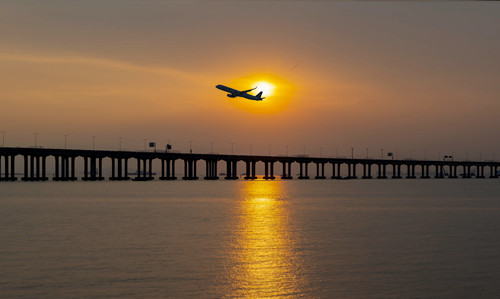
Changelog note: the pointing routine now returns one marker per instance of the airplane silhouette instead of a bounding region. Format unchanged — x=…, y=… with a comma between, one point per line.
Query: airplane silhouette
x=233, y=93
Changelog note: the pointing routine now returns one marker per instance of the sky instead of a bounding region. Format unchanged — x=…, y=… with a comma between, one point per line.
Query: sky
x=420, y=79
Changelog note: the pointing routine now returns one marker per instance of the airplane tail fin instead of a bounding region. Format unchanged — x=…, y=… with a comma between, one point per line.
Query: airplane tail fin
x=259, y=95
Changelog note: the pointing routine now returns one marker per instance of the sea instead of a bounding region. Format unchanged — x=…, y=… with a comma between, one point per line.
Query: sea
x=436, y=238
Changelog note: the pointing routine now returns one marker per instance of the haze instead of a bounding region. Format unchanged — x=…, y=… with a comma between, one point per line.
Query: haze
x=417, y=78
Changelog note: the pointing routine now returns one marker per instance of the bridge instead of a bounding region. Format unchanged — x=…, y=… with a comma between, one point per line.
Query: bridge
x=35, y=166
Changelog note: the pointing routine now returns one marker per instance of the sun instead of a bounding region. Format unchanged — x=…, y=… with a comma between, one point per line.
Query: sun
x=277, y=92
x=264, y=86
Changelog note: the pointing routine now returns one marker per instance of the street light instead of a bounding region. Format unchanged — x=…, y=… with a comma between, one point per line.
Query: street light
x=190, y=147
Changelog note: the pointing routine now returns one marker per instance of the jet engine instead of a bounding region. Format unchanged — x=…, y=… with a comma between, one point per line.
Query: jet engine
x=231, y=95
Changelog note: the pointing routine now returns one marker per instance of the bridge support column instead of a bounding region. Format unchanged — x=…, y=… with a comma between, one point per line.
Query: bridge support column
x=9, y=168
x=190, y=170
x=493, y=172
x=287, y=170
x=304, y=174
x=211, y=170
x=480, y=172
x=320, y=171
x=231, y=170
x=269, y=170
x=453, y=172
x=396, y=171
x=381, y=171
x=250, y=170
x=95, y=173
x=367, y=171
x=439, y=172
x=30, y=174
x=167, y=170
x=64, y=168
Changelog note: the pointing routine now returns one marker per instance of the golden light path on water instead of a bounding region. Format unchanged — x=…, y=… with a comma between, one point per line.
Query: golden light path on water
x=264, y=262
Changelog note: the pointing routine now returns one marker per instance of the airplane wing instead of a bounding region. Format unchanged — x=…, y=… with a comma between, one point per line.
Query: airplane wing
x=248, y=90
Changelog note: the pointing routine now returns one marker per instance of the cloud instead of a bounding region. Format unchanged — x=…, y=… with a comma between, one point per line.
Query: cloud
x=98, y=62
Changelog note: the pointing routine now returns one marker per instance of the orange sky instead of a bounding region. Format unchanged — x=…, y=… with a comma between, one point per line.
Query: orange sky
x=419, y=77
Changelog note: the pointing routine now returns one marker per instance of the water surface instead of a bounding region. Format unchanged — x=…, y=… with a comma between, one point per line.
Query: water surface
x=213, y=239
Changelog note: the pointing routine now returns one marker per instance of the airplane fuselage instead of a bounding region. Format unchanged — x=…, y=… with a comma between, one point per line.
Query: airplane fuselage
x=233, y=93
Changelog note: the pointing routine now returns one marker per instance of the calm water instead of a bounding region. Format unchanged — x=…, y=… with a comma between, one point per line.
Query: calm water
x=226, y=239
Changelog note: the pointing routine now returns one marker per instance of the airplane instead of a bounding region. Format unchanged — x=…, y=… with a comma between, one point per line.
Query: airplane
x=233, y=93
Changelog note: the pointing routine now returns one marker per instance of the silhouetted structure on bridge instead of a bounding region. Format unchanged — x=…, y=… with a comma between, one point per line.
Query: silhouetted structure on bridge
x=35, y=166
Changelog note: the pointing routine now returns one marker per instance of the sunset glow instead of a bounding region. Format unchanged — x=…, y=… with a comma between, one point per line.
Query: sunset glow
x=266, y=88
x=277, y=91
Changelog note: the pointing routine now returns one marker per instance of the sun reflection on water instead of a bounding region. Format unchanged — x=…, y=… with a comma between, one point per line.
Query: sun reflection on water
x=264, y=259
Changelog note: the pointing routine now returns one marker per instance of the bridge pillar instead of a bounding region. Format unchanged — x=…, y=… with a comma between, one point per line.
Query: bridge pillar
x=119, y=169
x=439, y=172
x=480, y=172
x=269, y=170
x=167, y=170
x=190, y=169
x=250, y=170
x=9, y=168
x=493, y=172
x=320, y=171
x=95, y=173
x=396, y=171
x=453, y=172
x=351, y=171
x=381, y=171
x=211, y=170
x=367, y=171
x=411, y=168
x=287, y=170
x=64, y=168
x=231, y=170
x=304, y=174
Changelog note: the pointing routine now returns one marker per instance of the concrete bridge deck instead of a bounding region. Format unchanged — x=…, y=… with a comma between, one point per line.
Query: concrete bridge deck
x=35, y=166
